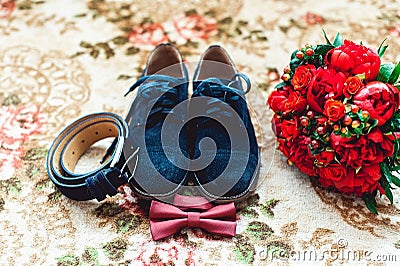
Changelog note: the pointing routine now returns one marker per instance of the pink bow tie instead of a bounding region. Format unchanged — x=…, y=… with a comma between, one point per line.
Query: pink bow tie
x=166, y=219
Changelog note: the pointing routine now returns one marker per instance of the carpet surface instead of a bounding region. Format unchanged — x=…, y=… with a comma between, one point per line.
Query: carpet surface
x=60, y=60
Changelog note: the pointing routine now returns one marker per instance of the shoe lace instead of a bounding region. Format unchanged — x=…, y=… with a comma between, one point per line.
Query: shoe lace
x=162, y=94
x=229, y=94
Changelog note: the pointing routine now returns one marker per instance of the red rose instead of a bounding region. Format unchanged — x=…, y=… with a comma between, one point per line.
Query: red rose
x=380, y=99
x=334, y=110
x=352, y=85
x=366, y=180
x=366, y=150
x=334, y=174
x=148, y=34
x=324, y=158
x=378, y=146
x=345, y=179
x=277, y=99
x=290, y=128
x=286, y=101
x=355, y=59
x=302, y=77
x=301, y=155
x=326, y=84
x=295, y=103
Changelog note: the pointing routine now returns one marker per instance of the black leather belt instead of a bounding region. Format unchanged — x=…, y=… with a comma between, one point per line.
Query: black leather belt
x=73, y=142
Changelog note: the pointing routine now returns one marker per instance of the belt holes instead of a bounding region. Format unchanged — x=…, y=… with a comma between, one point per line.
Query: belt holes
x=97, y=132
x=110, y=130
x=83, y=141
x=73, y=152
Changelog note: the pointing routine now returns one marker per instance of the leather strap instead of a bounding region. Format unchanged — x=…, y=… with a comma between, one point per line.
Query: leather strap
x=73, y=142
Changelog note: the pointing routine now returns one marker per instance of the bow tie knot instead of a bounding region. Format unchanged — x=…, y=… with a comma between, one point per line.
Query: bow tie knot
x=193, y=220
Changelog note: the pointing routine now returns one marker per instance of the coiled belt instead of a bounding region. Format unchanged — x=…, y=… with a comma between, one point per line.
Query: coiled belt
x=73, y=142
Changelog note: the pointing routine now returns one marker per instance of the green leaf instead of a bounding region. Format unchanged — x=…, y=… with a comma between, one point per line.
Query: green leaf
x=322, y=49
x=396, y=147
x=294, y=63
x=382, y=49
x=386, y=171
x=338, y=41
x=280, y=85
x=385, y=72
x=396, y=180
x=370, y=202
x=326, y=37
x=395, y=74
x=388, y=193
x=396, y=121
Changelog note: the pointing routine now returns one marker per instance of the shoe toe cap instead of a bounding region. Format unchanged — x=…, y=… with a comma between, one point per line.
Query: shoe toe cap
x=230, y=175
x=157, y=174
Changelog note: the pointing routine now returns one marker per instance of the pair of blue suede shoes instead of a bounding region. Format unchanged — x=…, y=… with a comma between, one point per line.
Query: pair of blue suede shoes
x=207, y=140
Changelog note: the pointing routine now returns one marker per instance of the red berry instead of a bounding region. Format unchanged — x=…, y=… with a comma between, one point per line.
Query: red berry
x=336, y=127
x=315, y=144
x=365, y=114
x=321, y=130
x=355, y=124
x=300, y=55
x=347, y=120
x=344, y=130
x=310, y=114
x=287, y=70
x=285, y=77
x=304, y=121
x=354, y=108
x=309, y=52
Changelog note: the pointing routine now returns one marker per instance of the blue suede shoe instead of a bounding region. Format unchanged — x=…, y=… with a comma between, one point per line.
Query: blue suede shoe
x=162, y=92
x=226, y=168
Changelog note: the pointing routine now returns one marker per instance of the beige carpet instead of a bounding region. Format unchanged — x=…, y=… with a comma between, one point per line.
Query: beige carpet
x=63, y=59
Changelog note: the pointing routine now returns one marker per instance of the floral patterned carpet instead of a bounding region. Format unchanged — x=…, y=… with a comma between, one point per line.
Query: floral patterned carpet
x=63, y=59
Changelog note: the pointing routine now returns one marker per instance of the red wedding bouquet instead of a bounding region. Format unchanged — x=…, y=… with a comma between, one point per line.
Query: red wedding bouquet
x=337, y=117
